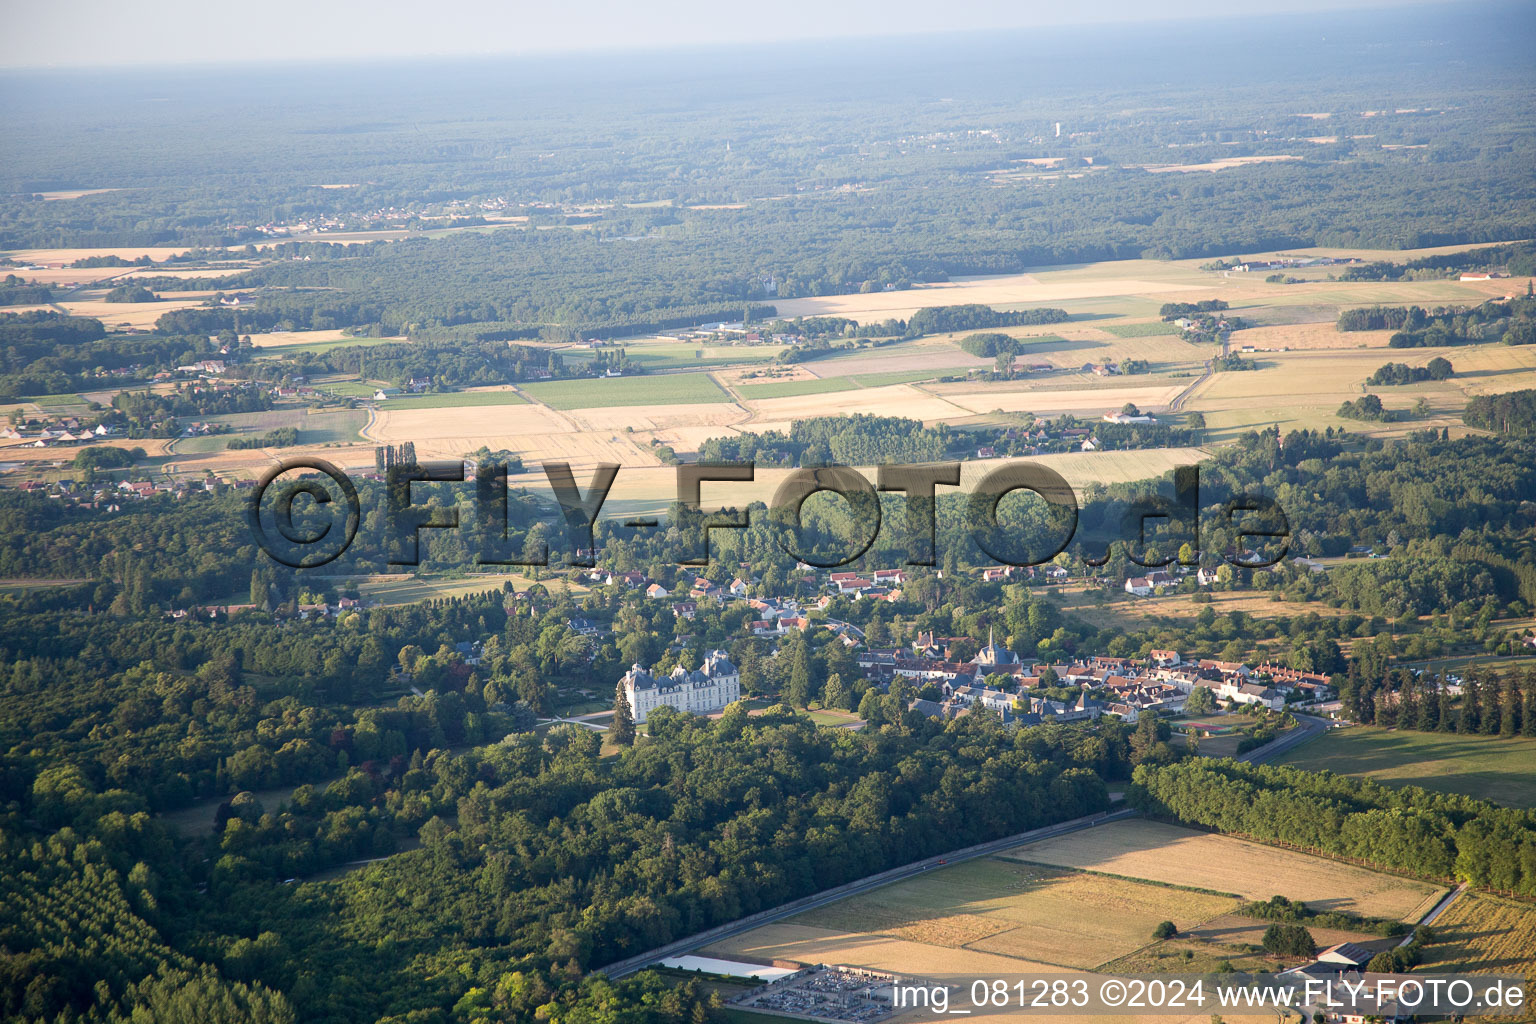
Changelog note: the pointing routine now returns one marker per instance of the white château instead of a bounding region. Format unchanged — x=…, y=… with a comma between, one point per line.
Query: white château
x=702, y=690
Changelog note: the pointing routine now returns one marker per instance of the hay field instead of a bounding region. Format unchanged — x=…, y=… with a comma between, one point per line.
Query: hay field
x=1043, y=915
x=1167, y=853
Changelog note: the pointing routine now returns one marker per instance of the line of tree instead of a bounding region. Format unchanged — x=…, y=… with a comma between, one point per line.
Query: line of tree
x=1434, y=835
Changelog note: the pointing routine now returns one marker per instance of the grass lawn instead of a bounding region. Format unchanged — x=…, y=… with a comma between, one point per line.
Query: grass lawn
x=607, y=392
x=455, y=400
x=1482, y=766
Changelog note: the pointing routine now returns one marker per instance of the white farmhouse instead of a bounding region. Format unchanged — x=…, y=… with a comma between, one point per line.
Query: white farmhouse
x=701, y=691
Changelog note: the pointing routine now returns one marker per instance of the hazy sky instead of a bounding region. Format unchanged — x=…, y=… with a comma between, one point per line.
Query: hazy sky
x=112, y=32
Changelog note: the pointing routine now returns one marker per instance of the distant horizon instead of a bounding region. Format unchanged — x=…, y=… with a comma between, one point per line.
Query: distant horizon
x=90, y=35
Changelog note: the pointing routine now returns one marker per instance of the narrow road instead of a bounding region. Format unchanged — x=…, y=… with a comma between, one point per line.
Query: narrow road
x=1307, y=729
x=1440, y=908
x=854, y=888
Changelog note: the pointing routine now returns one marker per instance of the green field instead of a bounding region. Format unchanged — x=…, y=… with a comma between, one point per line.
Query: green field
x=669, y=389
x=408, y=588
x=315, y=426
x=680, y=355
x=789, y=388
x=321, y=347
x=347, y=388
x=331, y=426
x=1139, y=330
x=822, y=385
x=54, y=403
x=1502, y=770
x=455, y=400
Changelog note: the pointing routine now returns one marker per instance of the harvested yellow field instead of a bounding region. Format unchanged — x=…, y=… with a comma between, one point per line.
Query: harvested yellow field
x=75, y=193
x=394, y=426
x=892, y=400
x=1217, y=165
x=22, y=451
x=650, y=489
x=199, y=272
x=274, y=338
x=535, y=432
x=909, y=357
x=72, y=277
x=1308, y=336
x=133, y=314
x=1304, y=389
x=1062, y=918
x=999, y=290
x=811, y=945
x=1141, y=610
x=659, y=417
x=59, y=257
x=1167, y=853
x=1042, y=401
x=1235, y=930
x=1484, y=934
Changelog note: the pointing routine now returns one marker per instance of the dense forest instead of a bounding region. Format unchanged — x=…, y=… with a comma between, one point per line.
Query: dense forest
x=1512, y=414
